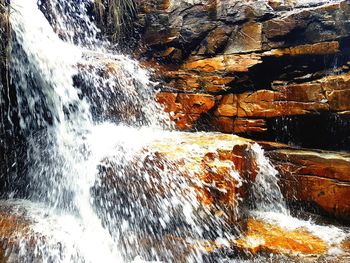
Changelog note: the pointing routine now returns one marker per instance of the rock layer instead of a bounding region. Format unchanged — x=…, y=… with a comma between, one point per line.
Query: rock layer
x=258, y=60
x=317, y=178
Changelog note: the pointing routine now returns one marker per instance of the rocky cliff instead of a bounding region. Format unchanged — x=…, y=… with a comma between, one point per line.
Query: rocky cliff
x=265, y=69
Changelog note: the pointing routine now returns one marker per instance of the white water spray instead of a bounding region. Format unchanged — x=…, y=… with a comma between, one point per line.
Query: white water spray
x=98, y=198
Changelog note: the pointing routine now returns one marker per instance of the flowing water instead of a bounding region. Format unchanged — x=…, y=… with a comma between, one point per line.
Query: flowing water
x=88, y=114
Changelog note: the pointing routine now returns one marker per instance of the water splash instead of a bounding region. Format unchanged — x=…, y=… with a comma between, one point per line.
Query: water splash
x=266, y=190
x=106, y=197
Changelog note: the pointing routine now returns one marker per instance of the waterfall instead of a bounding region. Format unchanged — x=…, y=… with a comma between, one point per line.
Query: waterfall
x=266, y=190
x=58, y=125
x=88, y=113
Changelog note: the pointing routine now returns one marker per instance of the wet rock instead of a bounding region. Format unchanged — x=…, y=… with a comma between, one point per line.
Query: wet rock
x=186, y=109
x=216, y=170
x=15, y=229
x=173, y=185
x=221, y=163
x=249, y=109
x=262, y=60
x=265, y=237
x=262, y=240
x=322, y=48
x=315, y=177
x=265, y=103
x=227, y=63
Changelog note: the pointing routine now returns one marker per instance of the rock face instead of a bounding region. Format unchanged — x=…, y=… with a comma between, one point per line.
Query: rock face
x=317, y=178
x=249, y=64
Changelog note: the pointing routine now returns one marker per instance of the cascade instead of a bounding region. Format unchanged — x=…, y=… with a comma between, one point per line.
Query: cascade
x=108, y=180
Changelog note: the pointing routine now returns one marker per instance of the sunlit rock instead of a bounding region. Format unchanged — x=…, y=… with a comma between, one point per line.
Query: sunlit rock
x=186, y=109
x=320, y=178
x=227, y=63
x=263, y=60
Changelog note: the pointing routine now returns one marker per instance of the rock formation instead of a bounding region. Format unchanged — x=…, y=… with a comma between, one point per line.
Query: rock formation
x=267, y=70
x=264, y=69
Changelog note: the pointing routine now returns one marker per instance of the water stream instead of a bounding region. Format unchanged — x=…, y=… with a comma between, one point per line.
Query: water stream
x=88, y=112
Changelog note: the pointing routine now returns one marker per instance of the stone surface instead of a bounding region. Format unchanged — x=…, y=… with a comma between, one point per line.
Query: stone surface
x=327, y=94
x=262, y=60
x=322, y=48
x=220, y=162
x=227, y=63
x=261, y=238
x=185, y=109
x=315, y=177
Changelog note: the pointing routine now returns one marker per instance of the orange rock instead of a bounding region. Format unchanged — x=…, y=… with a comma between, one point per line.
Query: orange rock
x=227, y=106
x=339, y=100
x=153, y=5
x=168, y=100
x=321, y=178
x=305, y=92
x=213, y=84
x=227, y=63
x=185, y=121
x=326, y=194
x=266, y=103
x=319, y=163
x=185, y=109
x=196, y=103
x=322, y=48
x=249, y=125
x=15, y=231
x=264, y=237
x=211, y=165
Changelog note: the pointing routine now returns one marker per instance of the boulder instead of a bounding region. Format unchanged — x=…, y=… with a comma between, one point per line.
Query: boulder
x=217, y=168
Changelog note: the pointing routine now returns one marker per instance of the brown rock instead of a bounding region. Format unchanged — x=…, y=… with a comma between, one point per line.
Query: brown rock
x=321, y=178
x=339, y=100
x=304, y=25
x=215, y=40
x=227, y=106
x=322, y=48
x=305, y=92
x=265, y=103
x=227, y=63
x=249, y=125
x=196, y=82
x=196, y=103
x=223, y=124
x=264, y=237
x=245, y=39
x=153, y=5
